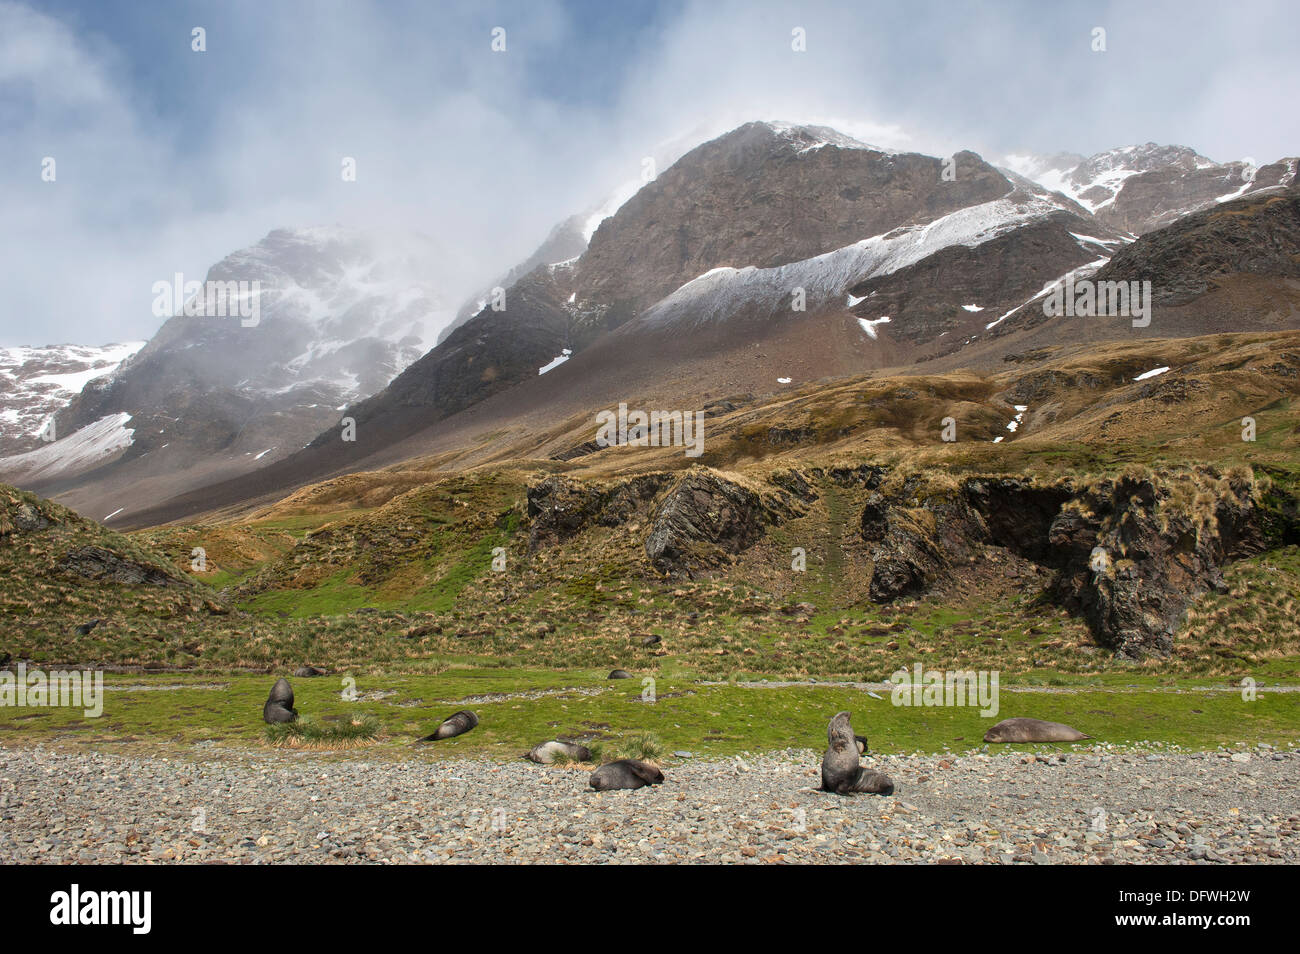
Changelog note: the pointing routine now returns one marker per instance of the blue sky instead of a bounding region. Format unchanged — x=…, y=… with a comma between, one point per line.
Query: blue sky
x=169, y=159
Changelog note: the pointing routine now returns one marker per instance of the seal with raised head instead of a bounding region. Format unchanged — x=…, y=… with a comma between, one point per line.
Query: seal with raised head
x=625, y=773
x=544, y=753
x=279, y=704
x=458, y=723
x=1032, y=730
x=841, y=772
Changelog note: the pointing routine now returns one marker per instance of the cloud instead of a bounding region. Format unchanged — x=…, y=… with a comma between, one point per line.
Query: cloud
x=168, y=159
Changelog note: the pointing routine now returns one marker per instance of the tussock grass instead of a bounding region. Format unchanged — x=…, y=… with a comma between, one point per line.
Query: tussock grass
x=644, y=746
x=309, y=733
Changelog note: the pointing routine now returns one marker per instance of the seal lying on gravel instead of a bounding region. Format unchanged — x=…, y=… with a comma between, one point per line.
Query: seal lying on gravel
x=1032, y=730
x=861, y=742
x=544, y=753
x=279, y=704
x=625, y=773
x=456, y=724
x=841, y=772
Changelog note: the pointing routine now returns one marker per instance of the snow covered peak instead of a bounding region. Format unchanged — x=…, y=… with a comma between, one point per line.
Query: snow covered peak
x=809, y=138
x=35, y=383
x=339, y=308
x=1096, y=181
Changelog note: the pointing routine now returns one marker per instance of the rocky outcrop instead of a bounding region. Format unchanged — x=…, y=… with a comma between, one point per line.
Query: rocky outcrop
x=1152, y=546
x=1129, y=553
x=104, y=565
x=912, y=546
x=560, y=508
x=703, y=518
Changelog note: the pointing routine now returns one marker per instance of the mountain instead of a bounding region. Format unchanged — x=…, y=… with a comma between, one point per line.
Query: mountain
x=1136, y=189
x=37, y=382
x=771, y=257
x=339, y=313
x=770, y=206
x=680, y=295
x=1232, y=267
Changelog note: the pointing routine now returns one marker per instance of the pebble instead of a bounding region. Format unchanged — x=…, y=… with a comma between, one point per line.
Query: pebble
x=243, y=805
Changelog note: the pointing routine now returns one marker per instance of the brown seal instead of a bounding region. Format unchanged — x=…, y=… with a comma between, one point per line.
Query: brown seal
x=841, y=772
x=1032, y=730
x=625, y=773
x=279, y=704
x=456, y=724
x=544, y=753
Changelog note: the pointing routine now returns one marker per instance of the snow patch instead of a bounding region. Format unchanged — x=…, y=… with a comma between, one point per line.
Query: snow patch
x=73, y=453
x=555, y=362
x=722, y=292
x=1150, y=374
x=869, y=326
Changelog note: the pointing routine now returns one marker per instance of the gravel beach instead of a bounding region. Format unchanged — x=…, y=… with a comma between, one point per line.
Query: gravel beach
x=242, y=806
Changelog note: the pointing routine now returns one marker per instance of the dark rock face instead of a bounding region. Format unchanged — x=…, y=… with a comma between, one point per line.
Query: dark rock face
x=914, y=546
x=998, y=275
x=700, y=522
x=560, y=508
x=494, y=351
x=566, y=241
x=1256, y=234
x=98, y=563
x=23, y=516
x=702, y=519
x=1130, y=554
x=863, y=475
x=1157, y=554
x=1018, y=513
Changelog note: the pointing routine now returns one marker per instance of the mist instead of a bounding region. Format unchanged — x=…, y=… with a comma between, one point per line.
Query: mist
x=168, y=159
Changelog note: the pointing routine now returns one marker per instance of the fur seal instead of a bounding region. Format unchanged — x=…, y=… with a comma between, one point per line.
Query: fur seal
x=861, y=741
x=458, y=723
x=308, y=672
x=841, y=772
x=619, y=674
x=279, y=704
x=1032, y=730
x=625, y=773
x=544, y=753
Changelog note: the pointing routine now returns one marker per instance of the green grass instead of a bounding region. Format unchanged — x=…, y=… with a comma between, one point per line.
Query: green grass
x=517, y=709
